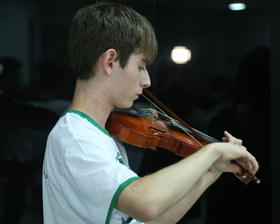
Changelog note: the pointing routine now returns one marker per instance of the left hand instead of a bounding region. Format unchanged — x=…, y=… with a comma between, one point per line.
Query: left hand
x=231, y=139
x=215, y=170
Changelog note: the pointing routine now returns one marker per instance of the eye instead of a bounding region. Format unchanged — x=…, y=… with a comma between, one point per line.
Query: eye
x=141, y=68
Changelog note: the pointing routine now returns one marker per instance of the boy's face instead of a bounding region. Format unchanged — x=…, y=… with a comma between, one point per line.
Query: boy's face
x=130, y=81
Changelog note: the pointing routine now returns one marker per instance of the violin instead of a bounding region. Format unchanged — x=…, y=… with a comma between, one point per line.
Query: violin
x=149, y=128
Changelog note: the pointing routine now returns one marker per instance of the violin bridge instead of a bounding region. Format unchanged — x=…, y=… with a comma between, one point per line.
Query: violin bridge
x=151, y=114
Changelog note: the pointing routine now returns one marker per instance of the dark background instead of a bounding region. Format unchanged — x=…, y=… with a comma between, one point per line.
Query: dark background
x=34, y=31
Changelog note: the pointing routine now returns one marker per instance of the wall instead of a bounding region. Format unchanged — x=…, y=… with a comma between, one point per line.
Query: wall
x=20, y=37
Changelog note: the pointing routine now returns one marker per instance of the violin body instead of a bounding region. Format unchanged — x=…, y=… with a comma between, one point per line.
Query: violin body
x=147, y=130
x=143, y=132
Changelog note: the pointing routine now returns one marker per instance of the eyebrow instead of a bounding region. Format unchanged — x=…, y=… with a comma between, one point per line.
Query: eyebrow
x=144, y=60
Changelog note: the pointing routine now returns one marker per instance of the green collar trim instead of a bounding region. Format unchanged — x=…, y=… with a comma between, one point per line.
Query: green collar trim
x=83, y=115
x=127, y=221
x=116, y=196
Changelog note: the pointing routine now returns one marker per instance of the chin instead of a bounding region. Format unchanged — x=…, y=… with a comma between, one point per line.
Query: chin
x=125, y=106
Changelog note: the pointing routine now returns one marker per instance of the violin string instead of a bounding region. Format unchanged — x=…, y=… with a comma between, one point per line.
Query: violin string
x=179, y=125
x=165, y=115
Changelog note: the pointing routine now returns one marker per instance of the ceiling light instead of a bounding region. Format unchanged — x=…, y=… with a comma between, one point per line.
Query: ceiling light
x=180, y=55
x=237, y=6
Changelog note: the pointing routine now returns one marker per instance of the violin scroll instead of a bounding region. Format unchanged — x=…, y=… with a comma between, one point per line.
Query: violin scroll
x=245, y=176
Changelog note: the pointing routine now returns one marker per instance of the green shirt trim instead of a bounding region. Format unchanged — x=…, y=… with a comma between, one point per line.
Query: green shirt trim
x=116, y=196
x=83, y=115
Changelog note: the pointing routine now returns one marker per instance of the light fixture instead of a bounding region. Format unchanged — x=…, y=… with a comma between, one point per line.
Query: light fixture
x=180, y=55
x=237, y=6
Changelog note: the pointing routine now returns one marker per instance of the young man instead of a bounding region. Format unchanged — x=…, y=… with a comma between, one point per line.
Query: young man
x=86, y=176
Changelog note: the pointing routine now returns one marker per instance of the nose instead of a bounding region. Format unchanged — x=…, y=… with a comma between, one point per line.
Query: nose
x=146, y=81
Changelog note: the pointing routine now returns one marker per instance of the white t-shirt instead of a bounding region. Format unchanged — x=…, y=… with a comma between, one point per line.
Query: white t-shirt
x=85, y=170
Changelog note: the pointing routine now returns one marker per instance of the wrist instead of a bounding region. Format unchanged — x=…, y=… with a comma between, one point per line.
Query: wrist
x=214, y=151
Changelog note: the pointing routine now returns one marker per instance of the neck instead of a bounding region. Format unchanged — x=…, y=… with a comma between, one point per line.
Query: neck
x=91, y=100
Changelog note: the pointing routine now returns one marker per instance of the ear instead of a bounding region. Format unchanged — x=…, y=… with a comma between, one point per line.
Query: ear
x=109, y=60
